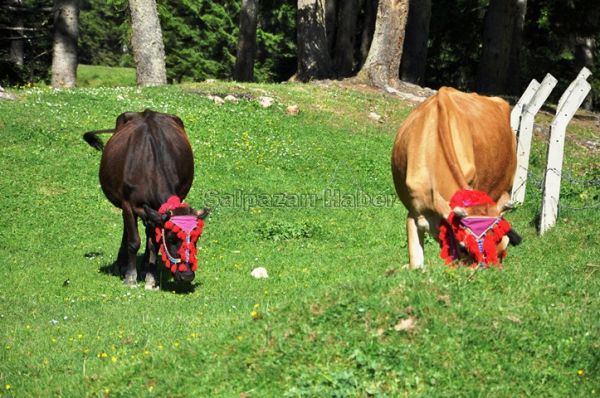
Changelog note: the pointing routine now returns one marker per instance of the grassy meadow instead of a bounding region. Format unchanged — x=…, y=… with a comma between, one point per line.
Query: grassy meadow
x=310, y=198
x=104, y=76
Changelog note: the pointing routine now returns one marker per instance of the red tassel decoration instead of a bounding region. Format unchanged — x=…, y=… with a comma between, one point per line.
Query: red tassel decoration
x=489, y=248
x=445, y=243
x=452, y=233
x=171, y=204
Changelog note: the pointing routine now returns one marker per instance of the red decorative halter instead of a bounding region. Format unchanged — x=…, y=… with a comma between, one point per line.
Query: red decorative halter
x=478, y=235
x=188, y=229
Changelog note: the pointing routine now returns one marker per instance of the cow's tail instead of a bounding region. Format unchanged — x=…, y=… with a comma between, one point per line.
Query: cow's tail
x=445, y=136
x=91, y=138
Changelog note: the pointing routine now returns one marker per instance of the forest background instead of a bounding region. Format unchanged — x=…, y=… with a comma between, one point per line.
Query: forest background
x=201, y=39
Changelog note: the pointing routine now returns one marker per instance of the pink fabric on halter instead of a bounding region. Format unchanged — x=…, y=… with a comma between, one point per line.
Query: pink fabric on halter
x=479, y=225
x=186, y=223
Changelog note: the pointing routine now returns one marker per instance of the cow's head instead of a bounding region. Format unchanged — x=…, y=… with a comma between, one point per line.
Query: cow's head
x=177, y=230
x=475, y=232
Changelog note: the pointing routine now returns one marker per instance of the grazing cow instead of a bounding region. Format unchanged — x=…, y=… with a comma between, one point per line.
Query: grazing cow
x=147, y=168
x=453, y=164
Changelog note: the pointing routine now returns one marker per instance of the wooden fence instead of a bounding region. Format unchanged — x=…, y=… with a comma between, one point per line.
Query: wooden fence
x=522, y=120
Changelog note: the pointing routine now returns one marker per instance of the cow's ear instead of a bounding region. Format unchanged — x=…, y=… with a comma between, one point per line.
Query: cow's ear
x=513, y=237
x=153, y=217
x=202, y=214
x=124, y=118
x=178, y=121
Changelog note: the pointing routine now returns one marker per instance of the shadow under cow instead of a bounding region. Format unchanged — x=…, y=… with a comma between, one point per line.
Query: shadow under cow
x=166, y=282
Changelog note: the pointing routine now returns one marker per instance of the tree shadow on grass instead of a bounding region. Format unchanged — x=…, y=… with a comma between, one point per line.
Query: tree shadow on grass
x=166, y=281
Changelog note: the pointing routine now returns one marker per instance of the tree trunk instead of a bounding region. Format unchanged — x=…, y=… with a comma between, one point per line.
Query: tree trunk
x=331, y=7
x=246, y=50
x=313, y=55
x=414, y=54
x=492, y=76
x=382, y=66
x=584, y=51
x=368, y=27
x=343, y=52
x=584, y=56
x=66, y=32
x=147, y=43
x=514, y=86
x=17, y=52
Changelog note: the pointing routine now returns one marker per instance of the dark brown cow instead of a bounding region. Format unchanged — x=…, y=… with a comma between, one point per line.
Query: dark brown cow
x=147, y=167
x=456, y=148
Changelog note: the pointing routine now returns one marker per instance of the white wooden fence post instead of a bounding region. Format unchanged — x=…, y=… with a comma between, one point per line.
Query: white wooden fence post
x=517, y=111
x=583, y=74
x=570, y=101
x=525, y=134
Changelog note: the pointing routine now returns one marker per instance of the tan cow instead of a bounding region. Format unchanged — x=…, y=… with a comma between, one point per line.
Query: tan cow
x=453, y=143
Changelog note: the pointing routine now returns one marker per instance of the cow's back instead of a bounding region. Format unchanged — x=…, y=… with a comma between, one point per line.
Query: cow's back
x=148, y=154
x=452, y=141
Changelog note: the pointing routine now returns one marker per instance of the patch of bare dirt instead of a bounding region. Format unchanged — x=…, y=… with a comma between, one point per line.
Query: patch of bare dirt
x=405, y=91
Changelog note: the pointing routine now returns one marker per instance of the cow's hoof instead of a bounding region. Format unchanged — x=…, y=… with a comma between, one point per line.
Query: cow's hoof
x=151, y=282
x=151, y=285
x=130, y=281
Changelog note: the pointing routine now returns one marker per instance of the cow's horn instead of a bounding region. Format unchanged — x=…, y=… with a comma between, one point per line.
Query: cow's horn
x=203, y=213
x=460, y=211
x=507, y=207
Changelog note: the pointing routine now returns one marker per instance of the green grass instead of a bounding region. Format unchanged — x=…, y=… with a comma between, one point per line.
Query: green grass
x=324, y=320
x=105, y=76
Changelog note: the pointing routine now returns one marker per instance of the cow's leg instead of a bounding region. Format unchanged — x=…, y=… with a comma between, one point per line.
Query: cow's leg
x=150, y=260
x=121, y=263
x=132, y=245
x=415, y=237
